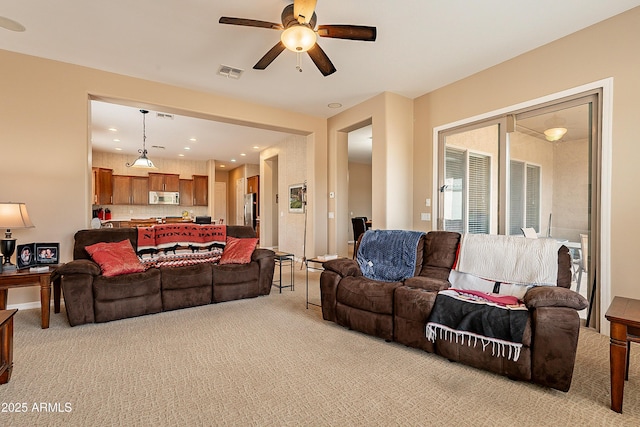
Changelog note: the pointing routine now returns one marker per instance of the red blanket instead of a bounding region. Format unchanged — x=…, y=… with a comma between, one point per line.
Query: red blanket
x=163, y=236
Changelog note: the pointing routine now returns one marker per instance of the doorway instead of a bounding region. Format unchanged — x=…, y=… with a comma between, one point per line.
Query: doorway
x=359, y=177
x=532, y=168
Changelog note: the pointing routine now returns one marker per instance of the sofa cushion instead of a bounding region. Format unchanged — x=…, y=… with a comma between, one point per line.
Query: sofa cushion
x=238, y=251
x=440, y=250
x=116, y=258
x=366, y=294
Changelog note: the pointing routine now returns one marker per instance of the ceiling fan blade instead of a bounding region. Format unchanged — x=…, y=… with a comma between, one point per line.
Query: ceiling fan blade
x=269, y=57
x=250, y=23
x=349, y=32
x=303, y=10
x=321, y=60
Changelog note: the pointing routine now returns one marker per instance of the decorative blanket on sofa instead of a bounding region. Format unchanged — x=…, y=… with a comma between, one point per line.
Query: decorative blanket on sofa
x=509, y=259
x=472, y=317
x=164, y=236
x=388, y=255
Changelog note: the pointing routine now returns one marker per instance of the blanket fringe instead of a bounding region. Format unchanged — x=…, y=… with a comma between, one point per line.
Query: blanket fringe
x=499, y=348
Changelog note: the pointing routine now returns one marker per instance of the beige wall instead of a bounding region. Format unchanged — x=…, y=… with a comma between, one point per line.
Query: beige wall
x=292, y=158
x=391, y=116
x=607, y=49
x=44, y=117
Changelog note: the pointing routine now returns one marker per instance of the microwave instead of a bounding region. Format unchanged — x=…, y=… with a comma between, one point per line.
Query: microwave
x=164, y=198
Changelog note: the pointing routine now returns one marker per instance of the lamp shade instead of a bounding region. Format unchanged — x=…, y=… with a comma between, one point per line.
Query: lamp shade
x=298, y=38
x=14, y=215
x=143, y=162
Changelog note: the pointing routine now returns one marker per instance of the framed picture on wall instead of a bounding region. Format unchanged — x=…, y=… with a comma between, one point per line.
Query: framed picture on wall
x=47, y=253
x=296, y=201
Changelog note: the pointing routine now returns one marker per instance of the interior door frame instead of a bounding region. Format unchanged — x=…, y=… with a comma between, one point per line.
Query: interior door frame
x=601, y=181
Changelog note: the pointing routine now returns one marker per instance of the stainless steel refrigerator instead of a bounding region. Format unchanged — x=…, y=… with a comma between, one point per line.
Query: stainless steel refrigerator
x=250, y=208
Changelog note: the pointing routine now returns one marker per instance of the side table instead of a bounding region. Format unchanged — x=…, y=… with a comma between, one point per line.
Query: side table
x=6, y=344
x=314, y=261
x=23, y=278
x=624, y=315
x=284, y=259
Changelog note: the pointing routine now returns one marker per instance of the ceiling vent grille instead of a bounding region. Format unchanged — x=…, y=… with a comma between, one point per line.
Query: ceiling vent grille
x=230, y=72
x=164, y=116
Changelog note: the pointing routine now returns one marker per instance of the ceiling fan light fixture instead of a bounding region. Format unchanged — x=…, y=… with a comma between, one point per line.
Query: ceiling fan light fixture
x=554, y=134
x=298, y=38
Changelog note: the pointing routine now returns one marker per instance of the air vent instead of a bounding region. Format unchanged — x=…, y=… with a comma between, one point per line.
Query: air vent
x=164, y=116
x=230, y=72
x=158, y=146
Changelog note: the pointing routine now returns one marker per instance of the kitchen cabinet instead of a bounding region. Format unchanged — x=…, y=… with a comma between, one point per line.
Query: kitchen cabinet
x=130, y=190
x=164, y=182
x=102, y=180
x=186, y=192
x=200, y=190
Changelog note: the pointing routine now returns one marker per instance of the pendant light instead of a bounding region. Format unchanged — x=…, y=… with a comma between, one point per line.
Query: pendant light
x=143, y=161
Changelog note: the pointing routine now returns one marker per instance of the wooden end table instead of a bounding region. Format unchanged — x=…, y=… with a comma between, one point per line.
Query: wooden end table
x=6, y=344
x=23, y=278
x=624, y=315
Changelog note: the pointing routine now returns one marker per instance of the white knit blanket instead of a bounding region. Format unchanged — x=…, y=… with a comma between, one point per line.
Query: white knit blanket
x=509, y=259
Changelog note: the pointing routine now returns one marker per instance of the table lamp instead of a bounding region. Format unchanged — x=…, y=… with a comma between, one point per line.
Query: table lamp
x=12, y=215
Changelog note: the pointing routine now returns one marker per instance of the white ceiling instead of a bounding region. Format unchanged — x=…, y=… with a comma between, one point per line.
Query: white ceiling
x=421, y=46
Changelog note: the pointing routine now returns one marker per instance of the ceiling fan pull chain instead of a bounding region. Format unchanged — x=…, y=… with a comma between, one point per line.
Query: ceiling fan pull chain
x=299, y=61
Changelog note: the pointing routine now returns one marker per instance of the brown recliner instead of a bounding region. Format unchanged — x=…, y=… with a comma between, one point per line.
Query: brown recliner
x=550, y=339
x=366, y=305
x=91, y=297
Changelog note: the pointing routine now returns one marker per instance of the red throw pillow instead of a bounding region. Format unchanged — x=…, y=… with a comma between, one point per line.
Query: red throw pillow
x=115, y=258
x=238, y=251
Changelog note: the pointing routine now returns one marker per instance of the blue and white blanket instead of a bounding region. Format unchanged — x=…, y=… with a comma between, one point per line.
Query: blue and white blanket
x=388, y=255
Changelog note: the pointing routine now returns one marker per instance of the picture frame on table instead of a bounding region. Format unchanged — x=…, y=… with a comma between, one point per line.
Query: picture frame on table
x=296, y=198
x=47, y=253
x=26, y=255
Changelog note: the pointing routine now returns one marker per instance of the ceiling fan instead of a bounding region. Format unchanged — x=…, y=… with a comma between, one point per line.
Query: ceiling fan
x=10, y=24
x=299, y=34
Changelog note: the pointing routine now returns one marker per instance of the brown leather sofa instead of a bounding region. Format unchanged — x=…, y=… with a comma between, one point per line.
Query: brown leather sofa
x=90, y=297
x=398, y=311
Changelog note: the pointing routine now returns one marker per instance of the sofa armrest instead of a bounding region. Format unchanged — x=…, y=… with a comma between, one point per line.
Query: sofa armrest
x=552, y=296
x=266, y=263
x=260, y=253
x=343, y=267
x=329, y=281
x=79, y=266
x=76, y=281
x=554, y=343
x=427, y=283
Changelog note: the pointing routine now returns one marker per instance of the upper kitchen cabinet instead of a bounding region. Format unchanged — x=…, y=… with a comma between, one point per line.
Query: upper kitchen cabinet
x=164, y=182
x=130, y=190
x=102, y=180
x=200, y=190
x=186, y=192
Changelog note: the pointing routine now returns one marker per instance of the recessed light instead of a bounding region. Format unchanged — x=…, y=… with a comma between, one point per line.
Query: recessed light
x=187, y=148
x=180, y=155
x=233, y=160
x=334, y=105
x=192, y=139
x=223, y=166
x=116, y=140
x=255, y=147
x=243, y=154
x=113, y=129
x=118, y=149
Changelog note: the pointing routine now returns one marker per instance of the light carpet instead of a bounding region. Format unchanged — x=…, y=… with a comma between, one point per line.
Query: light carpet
x=268, y=361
